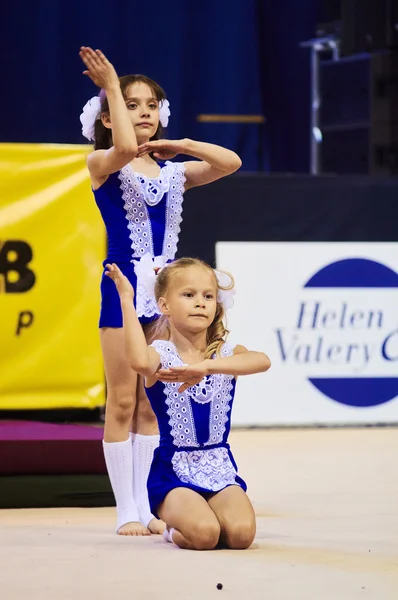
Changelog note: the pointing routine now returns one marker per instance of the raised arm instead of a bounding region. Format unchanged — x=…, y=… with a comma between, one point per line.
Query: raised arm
x=102, y=163
x=142, y=358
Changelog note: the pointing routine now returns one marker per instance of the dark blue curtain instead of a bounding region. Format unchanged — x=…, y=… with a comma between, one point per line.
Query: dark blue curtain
x=214, y=57
x=285, y=79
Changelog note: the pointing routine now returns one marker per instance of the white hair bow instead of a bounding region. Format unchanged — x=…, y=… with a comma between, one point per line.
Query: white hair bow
x=225, y=297
x=146, y=270
x=164, y=112
x=91, y=111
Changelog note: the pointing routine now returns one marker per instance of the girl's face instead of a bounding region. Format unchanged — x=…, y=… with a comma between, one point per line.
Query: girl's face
x=143, y=109
x=191, y=299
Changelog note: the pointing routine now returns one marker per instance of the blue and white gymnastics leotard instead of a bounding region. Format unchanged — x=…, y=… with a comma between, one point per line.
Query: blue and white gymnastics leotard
x=141, y=215
x=194, y=428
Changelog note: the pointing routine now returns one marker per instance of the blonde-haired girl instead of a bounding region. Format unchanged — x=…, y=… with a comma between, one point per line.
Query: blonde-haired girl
x=190, y=375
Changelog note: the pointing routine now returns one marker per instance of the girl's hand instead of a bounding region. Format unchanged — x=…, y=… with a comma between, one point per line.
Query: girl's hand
x=188, y=374
x=123, y=285
x=162, y=149
x=99, y=69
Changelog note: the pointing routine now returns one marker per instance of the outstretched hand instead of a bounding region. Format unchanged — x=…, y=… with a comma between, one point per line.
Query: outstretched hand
x=188, y=375
x=99, y=69
x=162, y=149
x=123, y=285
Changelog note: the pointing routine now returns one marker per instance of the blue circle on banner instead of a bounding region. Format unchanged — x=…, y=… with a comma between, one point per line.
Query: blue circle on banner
x=356, y=273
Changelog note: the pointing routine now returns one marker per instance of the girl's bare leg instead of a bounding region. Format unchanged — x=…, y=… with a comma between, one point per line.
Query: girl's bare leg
x=195, y=525
x=145, y=441
x=121, y=400
x=236, y=517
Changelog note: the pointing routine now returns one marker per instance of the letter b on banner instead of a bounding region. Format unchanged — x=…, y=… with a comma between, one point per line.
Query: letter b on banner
x=15, y=255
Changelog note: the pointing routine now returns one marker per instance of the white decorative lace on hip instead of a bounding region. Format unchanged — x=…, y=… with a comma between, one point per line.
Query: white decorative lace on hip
x=211, y=469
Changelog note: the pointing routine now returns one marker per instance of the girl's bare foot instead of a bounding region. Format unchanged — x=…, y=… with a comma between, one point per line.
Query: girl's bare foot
x=156, y=526
x=133, y=528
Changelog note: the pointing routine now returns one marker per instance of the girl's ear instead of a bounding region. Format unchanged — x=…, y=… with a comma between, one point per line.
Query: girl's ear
x=106, y=120
x=163, y=307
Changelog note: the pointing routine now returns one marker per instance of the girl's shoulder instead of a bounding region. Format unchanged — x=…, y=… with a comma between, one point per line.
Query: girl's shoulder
x=227, y=349
x=161, y=343
x=174, y=167
x=167, y=351
x=164, y=346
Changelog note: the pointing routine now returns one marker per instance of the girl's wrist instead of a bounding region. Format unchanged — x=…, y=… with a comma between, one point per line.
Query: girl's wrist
x=113, y=88
x=185, y=145
x=126, y=296
x=207, y=364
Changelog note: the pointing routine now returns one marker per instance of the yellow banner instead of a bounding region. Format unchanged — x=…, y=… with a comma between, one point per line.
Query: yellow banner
x=52, y=242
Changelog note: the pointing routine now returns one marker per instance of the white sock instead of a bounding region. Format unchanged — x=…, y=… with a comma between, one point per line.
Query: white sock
x=168, y=535
x=143, y=449
x=119, y=463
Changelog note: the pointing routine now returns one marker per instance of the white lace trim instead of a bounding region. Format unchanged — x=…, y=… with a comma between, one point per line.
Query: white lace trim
x=174, y=210
x=136, y=213
x=153, y=188
x=221, y=404
x=138, y=191
x=215, y=389
x=211, y=469
x=179, y=406
x=145, y=304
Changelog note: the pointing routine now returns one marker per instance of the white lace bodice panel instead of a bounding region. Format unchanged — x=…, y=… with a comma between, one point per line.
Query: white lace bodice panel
x=214, y=389
x=138, y=192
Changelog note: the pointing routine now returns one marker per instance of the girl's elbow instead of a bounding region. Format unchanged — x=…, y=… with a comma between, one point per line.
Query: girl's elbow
x=236, y=163
x=139, y=367
x=266, y=363
x=129, y=151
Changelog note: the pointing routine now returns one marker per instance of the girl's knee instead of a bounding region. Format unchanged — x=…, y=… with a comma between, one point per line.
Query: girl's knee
x=205, y=535
x=240, y=536
x=120, y=404
x=145, y=414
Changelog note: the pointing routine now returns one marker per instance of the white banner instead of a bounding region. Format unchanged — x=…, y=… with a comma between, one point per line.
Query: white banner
x=327, y=316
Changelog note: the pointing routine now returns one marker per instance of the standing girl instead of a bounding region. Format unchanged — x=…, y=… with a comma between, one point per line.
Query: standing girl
x=140, y=200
